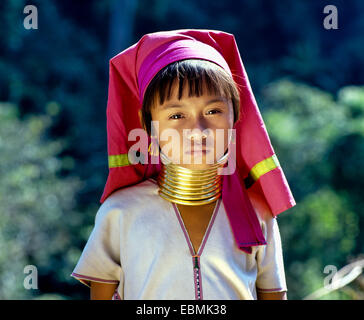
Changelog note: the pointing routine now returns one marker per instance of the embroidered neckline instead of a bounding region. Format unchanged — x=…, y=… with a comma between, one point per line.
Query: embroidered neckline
x=207, y=231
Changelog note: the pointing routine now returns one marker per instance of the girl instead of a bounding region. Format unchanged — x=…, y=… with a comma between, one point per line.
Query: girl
x=177, y=229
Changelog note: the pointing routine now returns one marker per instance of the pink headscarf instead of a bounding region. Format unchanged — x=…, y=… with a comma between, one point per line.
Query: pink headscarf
x=258, y=177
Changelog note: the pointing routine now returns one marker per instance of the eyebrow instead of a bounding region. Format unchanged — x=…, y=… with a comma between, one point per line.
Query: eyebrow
x=178, y=105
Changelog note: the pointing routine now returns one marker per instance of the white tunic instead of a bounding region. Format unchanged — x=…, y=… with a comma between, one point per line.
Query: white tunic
x=140, y=242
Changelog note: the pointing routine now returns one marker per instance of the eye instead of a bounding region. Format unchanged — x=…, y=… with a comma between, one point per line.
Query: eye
x=214, y=111
x=173, y=117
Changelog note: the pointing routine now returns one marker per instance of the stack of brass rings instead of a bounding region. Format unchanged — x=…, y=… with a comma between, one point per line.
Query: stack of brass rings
x=190, y=187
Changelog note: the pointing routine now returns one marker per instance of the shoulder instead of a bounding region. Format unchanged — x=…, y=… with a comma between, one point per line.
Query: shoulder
x=136, y=193
x=129, y=199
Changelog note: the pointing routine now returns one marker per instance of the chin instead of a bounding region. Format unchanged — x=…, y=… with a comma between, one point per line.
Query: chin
x=193, y=166
x=197, y=163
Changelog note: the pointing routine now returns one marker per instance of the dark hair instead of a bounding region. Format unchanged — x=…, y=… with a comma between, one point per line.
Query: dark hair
x=195, y=72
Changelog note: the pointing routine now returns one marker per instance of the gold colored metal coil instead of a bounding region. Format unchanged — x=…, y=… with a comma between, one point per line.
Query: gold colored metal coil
x=187, y=186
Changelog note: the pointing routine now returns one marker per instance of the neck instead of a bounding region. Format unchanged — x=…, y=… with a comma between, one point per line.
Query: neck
x=188, y=187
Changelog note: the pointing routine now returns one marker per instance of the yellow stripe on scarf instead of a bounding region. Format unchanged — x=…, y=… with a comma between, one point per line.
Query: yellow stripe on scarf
x=264, y=166
x=118, y=160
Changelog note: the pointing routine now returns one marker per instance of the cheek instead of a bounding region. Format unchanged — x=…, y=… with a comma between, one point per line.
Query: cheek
x=230, y=116
x=171, y=136
x=224, y=121
x=221, y=140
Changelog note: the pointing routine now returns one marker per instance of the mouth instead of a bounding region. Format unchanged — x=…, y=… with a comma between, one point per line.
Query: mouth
x=198, y=151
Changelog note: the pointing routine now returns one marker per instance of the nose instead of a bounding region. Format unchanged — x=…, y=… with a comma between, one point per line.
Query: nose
x=198, y=132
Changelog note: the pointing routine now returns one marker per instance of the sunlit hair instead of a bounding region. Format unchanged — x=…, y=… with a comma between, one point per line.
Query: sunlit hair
x=195, y=72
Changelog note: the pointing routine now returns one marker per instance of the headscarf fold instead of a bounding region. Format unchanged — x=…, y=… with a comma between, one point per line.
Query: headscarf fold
x=258, y=178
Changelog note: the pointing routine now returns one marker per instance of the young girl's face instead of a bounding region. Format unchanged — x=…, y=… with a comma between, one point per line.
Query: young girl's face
x=207, y=111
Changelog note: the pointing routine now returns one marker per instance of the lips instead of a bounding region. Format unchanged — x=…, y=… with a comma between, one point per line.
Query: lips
x=198, y=150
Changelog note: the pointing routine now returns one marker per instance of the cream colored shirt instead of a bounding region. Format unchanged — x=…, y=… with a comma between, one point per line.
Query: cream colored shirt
x=140, y=243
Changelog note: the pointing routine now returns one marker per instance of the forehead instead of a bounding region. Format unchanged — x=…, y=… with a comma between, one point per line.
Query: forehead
x=188, y=92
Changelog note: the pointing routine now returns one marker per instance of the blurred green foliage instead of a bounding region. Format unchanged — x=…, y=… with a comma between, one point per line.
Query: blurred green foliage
x=53, y=84
x=38, y=219
x=307, y=127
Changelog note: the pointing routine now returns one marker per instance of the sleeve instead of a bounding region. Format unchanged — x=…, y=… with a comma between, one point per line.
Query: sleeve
x=271, y=275
x=100, y=258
